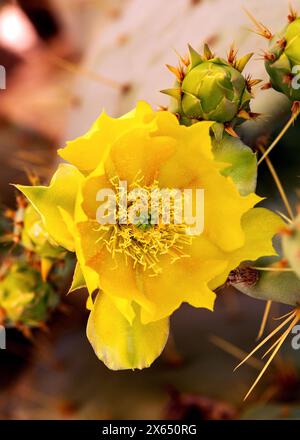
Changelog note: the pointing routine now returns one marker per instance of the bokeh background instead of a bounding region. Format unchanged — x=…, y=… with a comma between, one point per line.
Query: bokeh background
x=65, y=61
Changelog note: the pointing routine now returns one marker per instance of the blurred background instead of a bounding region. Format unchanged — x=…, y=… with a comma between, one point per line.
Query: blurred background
x=65, y=61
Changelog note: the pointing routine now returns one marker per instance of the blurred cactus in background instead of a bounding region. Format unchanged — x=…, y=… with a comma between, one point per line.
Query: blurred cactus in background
x=28, y=291
x=35, y=237
x=25, y=299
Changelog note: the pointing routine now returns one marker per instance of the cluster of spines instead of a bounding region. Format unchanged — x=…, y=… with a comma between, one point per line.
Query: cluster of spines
x=263, y=31
x=194, y=58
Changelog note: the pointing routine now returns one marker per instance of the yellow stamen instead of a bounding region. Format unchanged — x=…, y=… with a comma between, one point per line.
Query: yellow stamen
x=145, y=243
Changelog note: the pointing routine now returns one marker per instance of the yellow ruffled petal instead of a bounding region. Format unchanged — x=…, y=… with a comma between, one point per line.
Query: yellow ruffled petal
x=137, y=154
x=116, y=274
x=87, y=151
x=185, y=280
x=193, y=149
x=61, y=193
x=142, y=113
x=224, y=208
x=89, y=275
x=119, y=344
x=259, y=225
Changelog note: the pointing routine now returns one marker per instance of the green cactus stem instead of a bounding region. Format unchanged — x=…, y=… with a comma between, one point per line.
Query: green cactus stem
x=24, y=297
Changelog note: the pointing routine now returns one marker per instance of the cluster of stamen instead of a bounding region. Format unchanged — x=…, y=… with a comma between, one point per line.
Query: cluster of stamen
x=145, y=242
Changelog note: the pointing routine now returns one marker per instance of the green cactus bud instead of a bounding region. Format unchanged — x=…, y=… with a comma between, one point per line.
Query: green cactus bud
x=211, y=88
x=24, y=297
x=278, y=286
x=282, y=57
x=35, y=238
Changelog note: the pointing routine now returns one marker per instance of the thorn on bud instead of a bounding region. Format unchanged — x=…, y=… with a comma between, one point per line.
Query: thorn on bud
x=292, y=14
x=254, y=115
x=288, y=78
x=250, y=83
x=177, y=71
x=295, y=107
x=208, y=54
x=248, y=115
x=266, y=86
x=268, y=56
x=261, y=29
x=231, y=56
x=282, y=264
x=244, y=115
x=184, y=59
x=282, y=43
x=162, y=108
x=288, y=232
x=229, y=129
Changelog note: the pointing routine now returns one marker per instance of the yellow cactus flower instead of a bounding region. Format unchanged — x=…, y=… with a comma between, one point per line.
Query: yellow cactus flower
x=144, y=272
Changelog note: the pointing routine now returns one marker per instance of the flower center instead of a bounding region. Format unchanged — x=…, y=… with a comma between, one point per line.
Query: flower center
x=154, y=228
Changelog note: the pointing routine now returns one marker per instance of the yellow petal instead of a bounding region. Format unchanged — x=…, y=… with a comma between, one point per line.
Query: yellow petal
x=116, y=275
x=143, y=113
x=137, y=152
x=118, y=344
x=259, y=225
x=78, y=281
x=47, y=200
x=90, y=276
x=90, y=188
x=223, y=209
x=87, y=151
x=193, y=148
x=125, y=307
x=185, y=280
